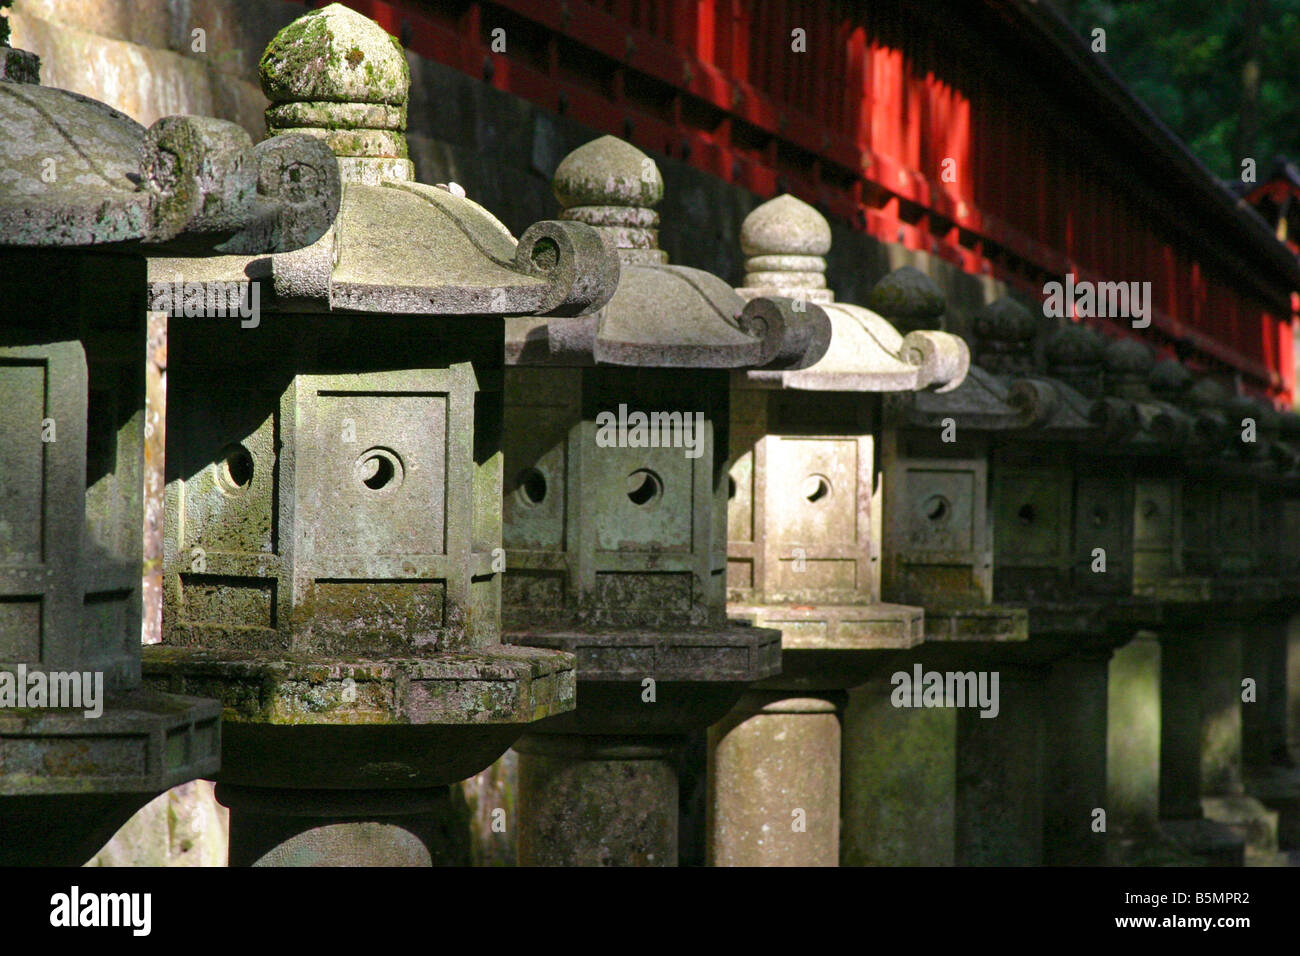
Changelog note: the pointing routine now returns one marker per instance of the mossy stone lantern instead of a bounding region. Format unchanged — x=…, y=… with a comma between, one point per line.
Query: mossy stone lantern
x=616, y=491
x=333, y=558
x=938, y=554
x=87, y=193
x=1063, y=549
x=803, y=549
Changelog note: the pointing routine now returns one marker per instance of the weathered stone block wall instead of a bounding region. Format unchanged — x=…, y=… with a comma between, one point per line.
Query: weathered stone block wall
x=145, y=58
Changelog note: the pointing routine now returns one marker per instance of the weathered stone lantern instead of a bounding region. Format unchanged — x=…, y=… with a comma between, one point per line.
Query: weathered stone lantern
x=804, y=548
x=1269, y=725
x=616, y=490
x=1195, y=546
x=1063, y=548
x=333, y=559
x=1143, y=438
x=975, y=797
x=85, y=194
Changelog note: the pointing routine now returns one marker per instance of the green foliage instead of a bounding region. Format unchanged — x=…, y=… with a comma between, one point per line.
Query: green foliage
x=1222, y=75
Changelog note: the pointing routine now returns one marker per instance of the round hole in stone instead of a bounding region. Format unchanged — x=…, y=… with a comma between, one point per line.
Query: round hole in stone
x=1026, y=514
x=545, y=254
x=235, y=468
x=816, y=487
x=644, y=487
x=1150, y=509
x=379, y=469
x=1099, y=515
x=937, y=508
x=532, y=486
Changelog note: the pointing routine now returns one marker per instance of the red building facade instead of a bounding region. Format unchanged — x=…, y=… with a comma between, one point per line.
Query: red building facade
x=986, y=133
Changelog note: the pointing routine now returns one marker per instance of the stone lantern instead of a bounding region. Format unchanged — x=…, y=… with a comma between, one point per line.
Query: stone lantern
x=1205, y=656
x=616, y=490
x=1196, y=544
x=975, y=797
x=804, y=547
x=1063, y=548
x=1143, y=437
x=333, y=555
x=87, y=193
x=1270, y=724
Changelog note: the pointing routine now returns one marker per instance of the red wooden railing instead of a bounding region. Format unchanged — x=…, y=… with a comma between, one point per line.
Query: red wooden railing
x=863, y=123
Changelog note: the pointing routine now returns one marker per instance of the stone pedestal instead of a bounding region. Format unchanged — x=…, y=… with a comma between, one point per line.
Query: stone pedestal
x=941, y=786
x=1076, y=716
x=1133, y=738
x=1181, y=814
x=599, y=786
x=774, y=781
x=1224, y=798
x=598, y=800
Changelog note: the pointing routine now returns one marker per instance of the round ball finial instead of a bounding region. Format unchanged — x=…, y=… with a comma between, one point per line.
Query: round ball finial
x=338, y=75
x=1073, y=353
x=612, y=185
x=908, y=298
x=1073, y=346
x=1129, y=363
x=1130, y=358
x=785, y=226
x=1207, y=394
x=785, y=240
x=1170, y=379
x=1004, y=333
x=608, y=172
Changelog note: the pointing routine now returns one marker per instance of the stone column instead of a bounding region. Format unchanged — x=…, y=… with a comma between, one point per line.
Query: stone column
x=899, y=781
x=342, y=828
x=774, y=780
x=1181, y=815
x=1000, y=774
x=1075, y=719
x=942, y=786
x=1223, y=792
x=1133, y=738
x=597, y=800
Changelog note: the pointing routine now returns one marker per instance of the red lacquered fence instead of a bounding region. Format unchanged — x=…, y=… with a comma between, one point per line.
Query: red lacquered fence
x=905, y=118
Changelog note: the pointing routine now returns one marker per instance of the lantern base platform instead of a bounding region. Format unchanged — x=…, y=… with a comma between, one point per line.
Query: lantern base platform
x=1247, y=816
x=1214, y=844
x=598, y=786
x=838, y=627
x=834, y=646
x=1278, y=788
x=976, y=624
x=304, y=723
x=1190, y=592
x=68, y=782
x=647, y=681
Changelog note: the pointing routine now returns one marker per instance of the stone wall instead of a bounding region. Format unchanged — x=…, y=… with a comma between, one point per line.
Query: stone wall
x=152, y=58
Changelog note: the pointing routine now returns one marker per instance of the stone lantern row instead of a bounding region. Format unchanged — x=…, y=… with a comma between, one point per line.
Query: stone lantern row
x=435, y=492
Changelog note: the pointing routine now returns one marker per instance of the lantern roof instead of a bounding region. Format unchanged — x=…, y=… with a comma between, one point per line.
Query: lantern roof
x=78, y=174
x=661, y=315
x=398, y=246
x=786, y=241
